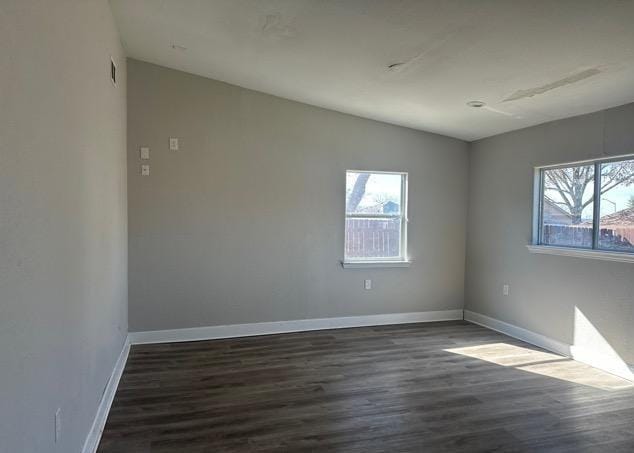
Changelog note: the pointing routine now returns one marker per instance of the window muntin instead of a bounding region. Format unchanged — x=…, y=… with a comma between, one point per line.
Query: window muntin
x=376, y=224
x=588, y=205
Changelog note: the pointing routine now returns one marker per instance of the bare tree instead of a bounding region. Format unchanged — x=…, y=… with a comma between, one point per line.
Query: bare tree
x=571, y=184
x=383, y=198
x=630, y=202
x=358, y=190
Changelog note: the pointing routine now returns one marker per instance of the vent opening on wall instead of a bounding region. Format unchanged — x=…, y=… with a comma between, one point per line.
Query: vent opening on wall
x=113, y=71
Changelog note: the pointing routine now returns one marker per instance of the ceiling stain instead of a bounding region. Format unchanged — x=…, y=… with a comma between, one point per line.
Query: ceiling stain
x=437, y=48
x=574, y=78
x=502, y=112
x=275, y=26
x=394, y=66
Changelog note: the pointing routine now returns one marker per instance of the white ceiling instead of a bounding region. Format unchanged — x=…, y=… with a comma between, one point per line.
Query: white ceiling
x=531, y=61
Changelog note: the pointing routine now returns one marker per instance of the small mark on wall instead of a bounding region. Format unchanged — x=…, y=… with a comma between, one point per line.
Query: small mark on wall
x=113, y=72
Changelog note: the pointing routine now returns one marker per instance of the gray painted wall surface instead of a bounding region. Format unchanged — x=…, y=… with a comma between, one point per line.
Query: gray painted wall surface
x=245, y=222
x=544, y=290
x=63, y=234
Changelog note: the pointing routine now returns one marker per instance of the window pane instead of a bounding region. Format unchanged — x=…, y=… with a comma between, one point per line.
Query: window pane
x=568, y=206
x=373, y=238
x=616, y=225
x=373, y=193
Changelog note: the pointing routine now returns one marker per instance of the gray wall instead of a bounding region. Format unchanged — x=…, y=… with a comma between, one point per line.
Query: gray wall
x=245, y=222
x=63, y=264
x=544, y=290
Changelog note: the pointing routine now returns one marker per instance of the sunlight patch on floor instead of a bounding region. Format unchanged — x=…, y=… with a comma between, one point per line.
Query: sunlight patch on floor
x=543, y=363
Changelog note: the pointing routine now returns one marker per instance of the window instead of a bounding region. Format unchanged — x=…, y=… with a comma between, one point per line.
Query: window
x=376, y=217
x=588, y=205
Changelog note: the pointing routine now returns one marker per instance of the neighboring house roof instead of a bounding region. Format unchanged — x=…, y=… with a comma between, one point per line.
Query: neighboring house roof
x=554, y=214
x=556, y=207
x=621, y=218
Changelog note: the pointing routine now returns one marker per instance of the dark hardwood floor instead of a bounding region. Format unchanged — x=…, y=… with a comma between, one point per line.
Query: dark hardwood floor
x=450, y=386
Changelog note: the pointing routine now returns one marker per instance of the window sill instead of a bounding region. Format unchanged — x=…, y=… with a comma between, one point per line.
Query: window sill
x=374, y=264
x=604, y=255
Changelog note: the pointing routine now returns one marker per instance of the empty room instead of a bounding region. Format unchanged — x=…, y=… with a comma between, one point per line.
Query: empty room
x=316, y=226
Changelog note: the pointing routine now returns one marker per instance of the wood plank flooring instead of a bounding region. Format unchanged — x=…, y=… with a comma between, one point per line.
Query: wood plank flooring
x=450, y=386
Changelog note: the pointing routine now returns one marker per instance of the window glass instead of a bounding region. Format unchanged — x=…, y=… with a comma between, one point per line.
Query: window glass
x=375, y=224
x=616, y=224
x=373, y=193
x=568, y=206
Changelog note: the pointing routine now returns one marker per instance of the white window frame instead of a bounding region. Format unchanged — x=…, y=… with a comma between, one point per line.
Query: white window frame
x=402, y=260
x=537, y=246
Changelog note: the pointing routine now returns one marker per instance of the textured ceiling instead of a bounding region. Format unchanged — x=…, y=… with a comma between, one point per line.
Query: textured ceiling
x=530, y=61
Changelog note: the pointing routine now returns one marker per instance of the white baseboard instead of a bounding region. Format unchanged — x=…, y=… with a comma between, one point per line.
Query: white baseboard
x=579, y=354
x=299, y=325
x=98, y=424
x=518, y=332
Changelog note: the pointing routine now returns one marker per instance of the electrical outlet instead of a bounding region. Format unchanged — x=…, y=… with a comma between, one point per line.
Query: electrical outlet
x=505, y=290
x=145, y=153
x=367, y=284
x=58, y=424
x=173, y=144
x=145, y=170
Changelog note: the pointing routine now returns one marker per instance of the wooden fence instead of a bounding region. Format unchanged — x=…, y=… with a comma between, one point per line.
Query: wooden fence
x=373, y=237
x=617, y=238
x=567, y=235
x=614, y=238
